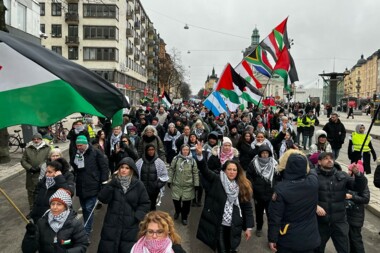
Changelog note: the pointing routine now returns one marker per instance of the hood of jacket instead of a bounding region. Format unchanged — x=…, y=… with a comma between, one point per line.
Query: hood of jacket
x=319, y=133
x=296, y=167
x=282, y=163
x=264, y=147
x=129, y=161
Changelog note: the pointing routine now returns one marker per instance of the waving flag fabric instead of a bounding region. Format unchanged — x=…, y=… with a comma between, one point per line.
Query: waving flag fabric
x=39, y=87
x=166, y=100
x=244, y=70
x=259, y=60
x=216, y=104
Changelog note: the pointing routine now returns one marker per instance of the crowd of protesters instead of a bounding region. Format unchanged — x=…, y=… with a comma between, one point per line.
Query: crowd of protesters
x=274, y=158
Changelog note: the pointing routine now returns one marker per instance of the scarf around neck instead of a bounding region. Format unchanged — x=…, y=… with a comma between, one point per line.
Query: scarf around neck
x=56, y=222
x=232, y=190
x=79, y=159
x=144, y=245
x=265, y=168
x=125, y=182
x=49, y=182
x=226, y=156
x=114, y=140
x=186, y=159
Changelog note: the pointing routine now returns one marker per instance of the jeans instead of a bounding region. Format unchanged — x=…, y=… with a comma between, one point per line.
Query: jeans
x=88, y=205
x=336, y=153
x=304, y=141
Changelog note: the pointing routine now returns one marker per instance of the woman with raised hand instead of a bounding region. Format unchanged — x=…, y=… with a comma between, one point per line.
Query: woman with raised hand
x=221, y=154
x=157, y=234
x=228, y=209
x=128, y=202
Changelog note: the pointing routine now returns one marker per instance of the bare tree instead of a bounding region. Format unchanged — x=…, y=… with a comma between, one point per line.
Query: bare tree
x=4, y=136
x=200, y=93
x=185, y=91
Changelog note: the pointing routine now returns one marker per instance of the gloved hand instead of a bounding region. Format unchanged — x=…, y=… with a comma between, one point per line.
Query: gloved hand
x=34, y=169
x=59, y=249
x=31, y=228
x=196, y=188
x=113, y=183
x=169, y=185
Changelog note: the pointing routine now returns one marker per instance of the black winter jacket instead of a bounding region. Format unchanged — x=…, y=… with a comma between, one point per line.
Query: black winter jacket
x=70, y=237
x=355, y=212
x=212, y=213
x=72, y=136
x=148, y=175
x=89, y=179
x=336, y=133
x=246, y=154
x=333, y=185
x=262, y=189
x=293, y=210
x=42, y=195
x=376, y=177
x=124, y=213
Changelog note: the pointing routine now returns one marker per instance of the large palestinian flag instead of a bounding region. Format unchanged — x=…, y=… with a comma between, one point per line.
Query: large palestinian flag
x=39, y=87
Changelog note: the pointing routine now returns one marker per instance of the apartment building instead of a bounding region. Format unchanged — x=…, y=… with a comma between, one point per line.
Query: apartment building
x=22, y=19
x=115, y=39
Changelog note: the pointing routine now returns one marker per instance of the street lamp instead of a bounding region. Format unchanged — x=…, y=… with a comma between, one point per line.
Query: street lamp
x=358, y=81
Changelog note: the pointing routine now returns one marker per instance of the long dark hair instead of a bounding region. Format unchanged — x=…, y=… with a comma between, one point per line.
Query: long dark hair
x=59, y=164
x=245, y=187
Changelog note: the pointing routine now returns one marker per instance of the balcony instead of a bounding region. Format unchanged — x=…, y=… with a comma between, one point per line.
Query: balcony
x=143, y=19
x=137, y=9
x=136, y=41
x=137, y=57
x=142, y=61
x=129, y=33
x=72, y=18
x=130, y=15
x=137, y=25
x=151, y=54
x=143, y=32
x=72, y=40
x=150, y=29
x=151, y=43
x=129, y=51
x=72, y=1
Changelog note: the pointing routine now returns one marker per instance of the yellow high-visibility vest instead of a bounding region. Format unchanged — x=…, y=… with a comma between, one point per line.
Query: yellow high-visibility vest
x=357, y=141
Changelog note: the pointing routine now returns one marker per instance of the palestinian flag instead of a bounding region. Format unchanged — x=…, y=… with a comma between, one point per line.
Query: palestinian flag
x=282, y=67
x=233, y=86
x=244, y=70
x=166, y=100
x=39, y=87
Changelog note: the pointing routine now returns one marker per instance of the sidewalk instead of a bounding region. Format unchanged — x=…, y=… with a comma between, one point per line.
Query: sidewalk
x=350, y=124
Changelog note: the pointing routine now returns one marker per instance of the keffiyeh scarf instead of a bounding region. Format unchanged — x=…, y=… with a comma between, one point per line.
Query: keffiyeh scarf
x=265, y=168
x=144, y=245
x=232, y=190
x=56, y=222
x=49, y=182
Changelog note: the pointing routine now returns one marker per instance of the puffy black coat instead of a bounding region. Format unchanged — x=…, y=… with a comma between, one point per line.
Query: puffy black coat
x=246, y=154
x=376, y=177
x=333, y=185
x=90, y=178
x=148, y=175
x=336, y=133
x=212, y=213
x=356, y=213
x=43, y=241
x=124, y=213
x=42, y=195
x=293, y=209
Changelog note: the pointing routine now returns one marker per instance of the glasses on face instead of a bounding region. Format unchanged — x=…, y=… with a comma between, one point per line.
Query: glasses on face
x=158, y=233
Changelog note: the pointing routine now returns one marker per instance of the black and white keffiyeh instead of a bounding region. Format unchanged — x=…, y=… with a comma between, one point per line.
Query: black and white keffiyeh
x=56, y=222
x=232, y=190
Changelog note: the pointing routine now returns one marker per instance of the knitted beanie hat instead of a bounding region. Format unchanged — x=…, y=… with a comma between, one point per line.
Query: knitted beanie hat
x=62, y=196
x=81, y=139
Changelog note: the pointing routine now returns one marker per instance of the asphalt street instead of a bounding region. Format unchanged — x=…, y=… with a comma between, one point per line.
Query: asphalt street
x=12, y=227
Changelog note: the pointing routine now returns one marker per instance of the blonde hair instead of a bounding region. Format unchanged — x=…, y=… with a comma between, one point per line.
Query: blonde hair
x=164, y=220
x=284, y=159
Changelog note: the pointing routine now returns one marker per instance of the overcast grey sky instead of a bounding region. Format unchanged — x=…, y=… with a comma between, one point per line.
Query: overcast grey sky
x=327, y=34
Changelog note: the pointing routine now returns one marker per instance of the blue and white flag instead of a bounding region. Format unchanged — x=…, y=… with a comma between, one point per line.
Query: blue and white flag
x=216, y=104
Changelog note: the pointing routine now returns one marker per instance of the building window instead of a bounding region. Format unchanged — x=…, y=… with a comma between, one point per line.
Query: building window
x=21, y=17
x=42, y=28
x=7, y=4
x=56, y=9
x=42, y=9
x=57, y=49
x=72, y=8
x=100, y=11
x=56, y=31
x=100, y=54
x=101, y=32
x=73, y=53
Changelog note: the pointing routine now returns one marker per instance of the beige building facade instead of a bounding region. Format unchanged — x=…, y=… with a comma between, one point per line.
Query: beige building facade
x=115, y=39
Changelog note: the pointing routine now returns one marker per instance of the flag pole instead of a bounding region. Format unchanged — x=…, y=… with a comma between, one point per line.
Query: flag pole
x=369, y=129
x=14, y=206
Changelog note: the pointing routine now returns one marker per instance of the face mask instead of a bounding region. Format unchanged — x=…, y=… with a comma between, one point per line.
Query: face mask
x=79, y=128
